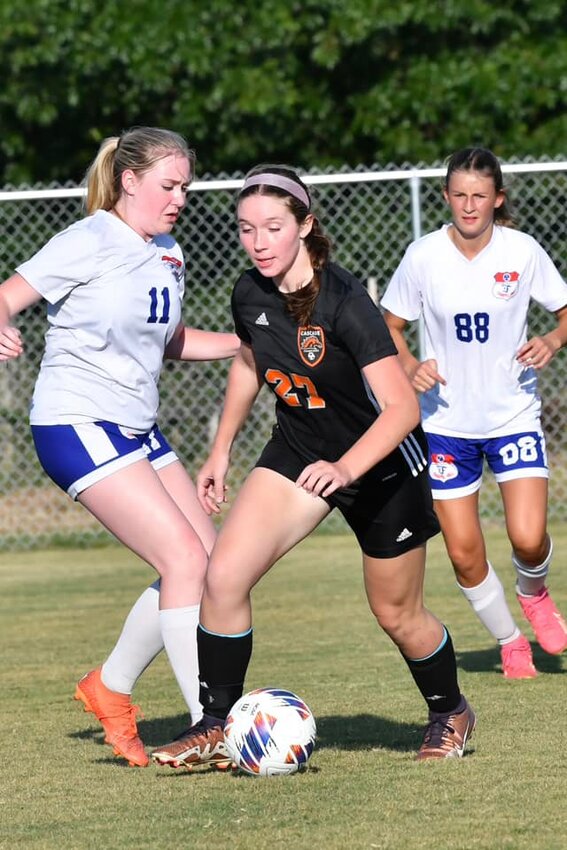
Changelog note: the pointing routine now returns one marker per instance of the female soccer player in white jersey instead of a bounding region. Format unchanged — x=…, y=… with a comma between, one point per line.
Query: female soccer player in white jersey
x=347, y=436
x=114, y=284
x=472, y=282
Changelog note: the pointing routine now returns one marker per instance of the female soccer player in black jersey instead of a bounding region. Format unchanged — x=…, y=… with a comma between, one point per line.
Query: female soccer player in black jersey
x=347, y=436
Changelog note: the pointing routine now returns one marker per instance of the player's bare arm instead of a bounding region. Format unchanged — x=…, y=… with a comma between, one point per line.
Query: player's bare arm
x=423, y=375
x=242, y=388
x=400, y=415
x=539, y=350
x=15, y=295
x=197, y=344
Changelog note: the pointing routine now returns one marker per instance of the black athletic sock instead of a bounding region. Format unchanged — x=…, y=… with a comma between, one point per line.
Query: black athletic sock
x=436, y=678
x=223, y=661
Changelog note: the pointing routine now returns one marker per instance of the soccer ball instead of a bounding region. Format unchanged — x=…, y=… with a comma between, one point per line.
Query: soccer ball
x=270, y=732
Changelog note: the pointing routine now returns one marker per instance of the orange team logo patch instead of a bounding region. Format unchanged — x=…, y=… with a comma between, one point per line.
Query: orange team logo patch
x=311, y=344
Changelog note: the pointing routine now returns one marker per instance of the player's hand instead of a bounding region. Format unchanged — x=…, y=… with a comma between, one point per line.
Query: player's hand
x=537, y=352
x=322, y=478
x=11, y=345
x=426, y=376
x=211, y=489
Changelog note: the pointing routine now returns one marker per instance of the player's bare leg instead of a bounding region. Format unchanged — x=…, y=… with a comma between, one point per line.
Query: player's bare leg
x=136, y=507
x=460, y=524
x=394, y=587
x=525, y=506
x=270, y=515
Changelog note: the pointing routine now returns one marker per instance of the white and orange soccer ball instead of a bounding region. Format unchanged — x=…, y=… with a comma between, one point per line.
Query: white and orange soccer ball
x=270, y=732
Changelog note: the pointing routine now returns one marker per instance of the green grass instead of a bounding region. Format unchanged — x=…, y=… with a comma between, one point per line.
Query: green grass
x=61, y=788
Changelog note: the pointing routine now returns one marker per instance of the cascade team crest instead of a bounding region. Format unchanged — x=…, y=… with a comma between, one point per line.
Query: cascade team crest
x=311, y=344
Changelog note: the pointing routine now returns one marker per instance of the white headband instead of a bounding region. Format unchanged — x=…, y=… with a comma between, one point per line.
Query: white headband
x=280, y=182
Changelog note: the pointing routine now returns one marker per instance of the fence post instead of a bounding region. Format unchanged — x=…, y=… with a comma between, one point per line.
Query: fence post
x=372, y=287
x=415, y=187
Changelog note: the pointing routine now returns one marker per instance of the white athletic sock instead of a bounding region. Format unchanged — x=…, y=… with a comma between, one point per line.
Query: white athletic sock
x=532, y=579
x=139, y=643
x=179, y=633
x=489, y=604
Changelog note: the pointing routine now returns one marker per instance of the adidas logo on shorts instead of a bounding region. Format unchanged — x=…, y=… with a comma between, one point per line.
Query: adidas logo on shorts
x=403, y=535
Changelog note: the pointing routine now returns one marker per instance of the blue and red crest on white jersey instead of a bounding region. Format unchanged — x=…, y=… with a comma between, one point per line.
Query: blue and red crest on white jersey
x=505, y=285
x=174, y=264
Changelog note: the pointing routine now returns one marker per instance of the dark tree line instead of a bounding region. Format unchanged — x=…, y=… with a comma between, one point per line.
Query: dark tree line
x=315, y=83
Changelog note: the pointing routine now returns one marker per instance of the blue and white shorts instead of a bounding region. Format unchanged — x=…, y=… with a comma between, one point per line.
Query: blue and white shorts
x=77, y=456
x=456, y=463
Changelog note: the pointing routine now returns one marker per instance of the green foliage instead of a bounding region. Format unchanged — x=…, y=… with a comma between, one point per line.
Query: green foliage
x=318, y=83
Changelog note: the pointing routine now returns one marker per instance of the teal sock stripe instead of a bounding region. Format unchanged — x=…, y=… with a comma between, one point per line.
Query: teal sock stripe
x=439, y=648
x=219, y=634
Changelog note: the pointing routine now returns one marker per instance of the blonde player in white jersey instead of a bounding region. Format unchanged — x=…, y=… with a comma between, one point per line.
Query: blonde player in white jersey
x=114, y=284
x=471, y=282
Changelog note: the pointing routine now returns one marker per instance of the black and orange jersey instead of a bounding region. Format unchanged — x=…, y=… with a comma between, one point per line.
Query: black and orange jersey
x=323, y=403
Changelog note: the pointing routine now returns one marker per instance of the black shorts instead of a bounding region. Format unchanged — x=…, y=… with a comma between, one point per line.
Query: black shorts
x=389, y=517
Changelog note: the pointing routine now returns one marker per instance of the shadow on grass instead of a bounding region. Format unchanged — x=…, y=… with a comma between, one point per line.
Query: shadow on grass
x=360, y=732
x=488, y=660
x=368, y=731
x=354, y=732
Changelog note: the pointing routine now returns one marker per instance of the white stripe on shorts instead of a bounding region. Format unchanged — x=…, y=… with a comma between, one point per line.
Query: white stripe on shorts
x=414, y=457
x=96, y=442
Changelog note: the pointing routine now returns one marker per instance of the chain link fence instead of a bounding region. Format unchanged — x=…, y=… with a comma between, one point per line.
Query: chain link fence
x=370, y=215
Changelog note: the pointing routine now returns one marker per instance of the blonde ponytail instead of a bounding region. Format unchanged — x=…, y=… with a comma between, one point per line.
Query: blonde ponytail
x=102, y=193
x=137, y=150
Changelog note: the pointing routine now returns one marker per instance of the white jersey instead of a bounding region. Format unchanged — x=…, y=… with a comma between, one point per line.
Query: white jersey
x=475, y=318
x=114, y=302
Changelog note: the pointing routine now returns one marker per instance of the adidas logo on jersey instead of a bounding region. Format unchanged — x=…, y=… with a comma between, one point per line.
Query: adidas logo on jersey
x=262, y=320
x=403, y=535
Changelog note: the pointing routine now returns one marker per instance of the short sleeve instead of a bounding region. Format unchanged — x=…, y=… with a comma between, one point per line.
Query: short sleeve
x=402, y=296
x=239, y=326
x=66, y=261
x=361, y=327
x=548, y=287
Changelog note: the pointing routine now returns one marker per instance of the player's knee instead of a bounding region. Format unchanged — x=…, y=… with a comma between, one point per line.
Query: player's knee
x=531, y=551
x=182, y=562
x=397, y=621
x=225, y=586
x=467, y=560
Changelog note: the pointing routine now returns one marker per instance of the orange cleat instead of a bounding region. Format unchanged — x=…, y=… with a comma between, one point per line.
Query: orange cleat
x=117, y=716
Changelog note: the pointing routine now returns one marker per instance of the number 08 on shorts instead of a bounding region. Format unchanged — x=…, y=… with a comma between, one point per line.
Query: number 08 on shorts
x=456, y=463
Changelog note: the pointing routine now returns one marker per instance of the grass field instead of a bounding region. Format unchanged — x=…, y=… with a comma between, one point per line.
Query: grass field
x=61, y=788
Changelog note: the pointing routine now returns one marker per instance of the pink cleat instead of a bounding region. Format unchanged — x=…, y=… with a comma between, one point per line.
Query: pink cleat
x=549, y=626
x=517, y=661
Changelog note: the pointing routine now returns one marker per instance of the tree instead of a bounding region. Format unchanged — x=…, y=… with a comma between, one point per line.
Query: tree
x=314, y=83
